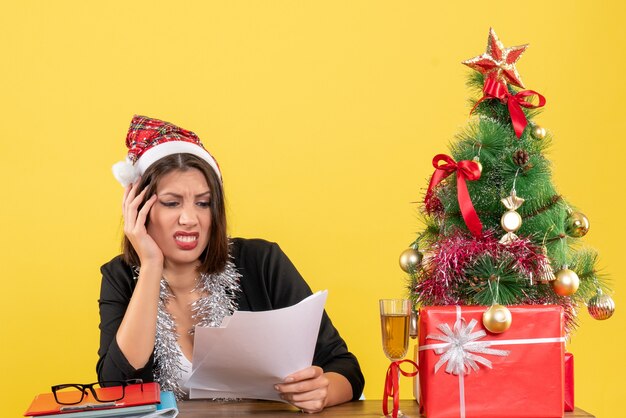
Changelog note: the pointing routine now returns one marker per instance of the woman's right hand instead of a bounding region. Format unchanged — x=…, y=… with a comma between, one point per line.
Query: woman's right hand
x=135, y=225
x=136, y=334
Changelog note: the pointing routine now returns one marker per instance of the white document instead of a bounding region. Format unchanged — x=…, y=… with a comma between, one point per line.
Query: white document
x=252, y=351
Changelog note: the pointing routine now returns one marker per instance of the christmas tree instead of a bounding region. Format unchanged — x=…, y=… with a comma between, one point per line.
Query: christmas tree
x=497, y=232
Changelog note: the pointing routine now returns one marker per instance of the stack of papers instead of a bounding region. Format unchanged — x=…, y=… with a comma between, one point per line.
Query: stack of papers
x=252, y=351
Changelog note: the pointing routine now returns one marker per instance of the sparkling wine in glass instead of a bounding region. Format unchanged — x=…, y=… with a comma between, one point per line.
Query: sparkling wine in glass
x=395, y=317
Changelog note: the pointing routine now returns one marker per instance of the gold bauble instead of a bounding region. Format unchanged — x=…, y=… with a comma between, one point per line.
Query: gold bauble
x=480, y=166
x=538, y=132
x=566, y=282
x=601, y=306
x=511, y=221
x=410, y=259
x=577, y=225
x=497, y=319
x=427, y=263
x=427, y=256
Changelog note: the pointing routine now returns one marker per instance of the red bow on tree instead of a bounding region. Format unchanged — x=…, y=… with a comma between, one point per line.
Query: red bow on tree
x=495, y=89
x=465, y=170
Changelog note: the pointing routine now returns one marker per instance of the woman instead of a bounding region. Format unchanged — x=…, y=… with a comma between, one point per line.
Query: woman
x=179, y=269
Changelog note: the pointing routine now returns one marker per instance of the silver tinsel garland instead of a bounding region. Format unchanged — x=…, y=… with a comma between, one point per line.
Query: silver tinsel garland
x=218, y=299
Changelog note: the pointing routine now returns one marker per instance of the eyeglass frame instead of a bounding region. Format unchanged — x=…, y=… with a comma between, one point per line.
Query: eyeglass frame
x=83, y=389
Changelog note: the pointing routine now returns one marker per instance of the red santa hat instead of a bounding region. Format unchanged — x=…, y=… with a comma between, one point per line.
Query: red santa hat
x=149, y=140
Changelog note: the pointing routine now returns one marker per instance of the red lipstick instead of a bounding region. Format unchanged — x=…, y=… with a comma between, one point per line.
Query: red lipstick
x=186, y=240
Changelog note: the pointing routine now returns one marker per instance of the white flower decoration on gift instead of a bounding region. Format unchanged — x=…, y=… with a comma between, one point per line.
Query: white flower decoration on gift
x=459, y=347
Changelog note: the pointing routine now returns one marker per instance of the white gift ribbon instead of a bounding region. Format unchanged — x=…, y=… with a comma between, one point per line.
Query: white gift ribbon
x=461, y=345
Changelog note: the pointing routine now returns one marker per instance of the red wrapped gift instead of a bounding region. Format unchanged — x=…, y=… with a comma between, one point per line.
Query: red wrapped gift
x=569, y=382
x=465, y=371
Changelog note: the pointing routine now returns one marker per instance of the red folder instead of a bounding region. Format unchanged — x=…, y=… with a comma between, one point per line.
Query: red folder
x=45, y=404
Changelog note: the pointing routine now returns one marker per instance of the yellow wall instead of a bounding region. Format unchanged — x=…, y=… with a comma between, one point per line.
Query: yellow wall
x=324, y=116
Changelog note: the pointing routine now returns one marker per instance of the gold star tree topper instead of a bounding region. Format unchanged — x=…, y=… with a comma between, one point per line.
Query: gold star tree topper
x=498, y=62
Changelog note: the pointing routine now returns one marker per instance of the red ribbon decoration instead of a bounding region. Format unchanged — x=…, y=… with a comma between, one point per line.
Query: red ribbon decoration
x=494, y=89
x=392, y=385
x=465, y=170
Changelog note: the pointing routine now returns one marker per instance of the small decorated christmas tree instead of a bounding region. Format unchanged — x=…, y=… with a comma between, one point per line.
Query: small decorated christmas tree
x=497, y=231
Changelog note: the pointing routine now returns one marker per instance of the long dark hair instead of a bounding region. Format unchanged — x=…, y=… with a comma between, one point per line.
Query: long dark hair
x=213, y=259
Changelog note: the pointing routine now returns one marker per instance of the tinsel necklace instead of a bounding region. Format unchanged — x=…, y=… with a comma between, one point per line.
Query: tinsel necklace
x=218, y=299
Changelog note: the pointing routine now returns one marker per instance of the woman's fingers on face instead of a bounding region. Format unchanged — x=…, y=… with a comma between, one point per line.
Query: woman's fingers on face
x=130, y=212
x=126, y=193
x=131, y=191
x=143, y=213
x=129, y=195
x=131, y=208
x=137, y=200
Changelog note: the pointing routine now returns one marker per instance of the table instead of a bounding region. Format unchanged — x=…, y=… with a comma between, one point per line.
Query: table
x=200, y=408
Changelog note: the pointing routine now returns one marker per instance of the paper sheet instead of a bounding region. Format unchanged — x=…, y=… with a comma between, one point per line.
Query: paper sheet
x=252, y=351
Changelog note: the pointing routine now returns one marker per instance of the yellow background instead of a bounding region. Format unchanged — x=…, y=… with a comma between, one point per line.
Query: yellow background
x=324, y=116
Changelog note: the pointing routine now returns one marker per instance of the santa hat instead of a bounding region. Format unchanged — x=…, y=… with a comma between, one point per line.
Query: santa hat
x=149, y=140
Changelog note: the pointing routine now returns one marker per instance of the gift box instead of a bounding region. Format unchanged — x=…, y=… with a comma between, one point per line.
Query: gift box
x=568, y=391
x=466, y=371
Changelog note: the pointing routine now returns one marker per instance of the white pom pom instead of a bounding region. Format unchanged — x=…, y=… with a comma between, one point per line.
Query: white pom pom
x=125, y=172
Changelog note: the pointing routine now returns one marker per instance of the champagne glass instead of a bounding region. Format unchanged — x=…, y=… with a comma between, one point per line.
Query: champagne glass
x=395, y=317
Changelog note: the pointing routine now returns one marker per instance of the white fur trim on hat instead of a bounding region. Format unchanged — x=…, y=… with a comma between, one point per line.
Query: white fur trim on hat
x=125, y=172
